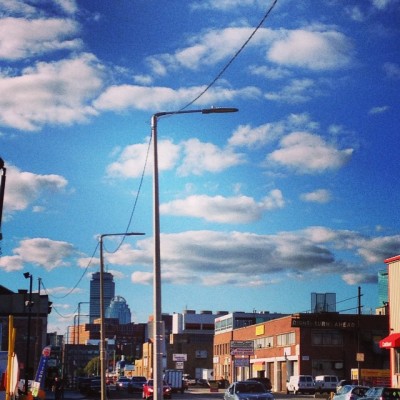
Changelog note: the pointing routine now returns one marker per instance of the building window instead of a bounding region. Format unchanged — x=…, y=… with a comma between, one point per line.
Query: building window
x=286, y=339
x=264, y=342
x=326, y=338
x=396, y=361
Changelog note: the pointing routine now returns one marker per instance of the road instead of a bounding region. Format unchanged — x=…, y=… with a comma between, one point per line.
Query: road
x=206, y=394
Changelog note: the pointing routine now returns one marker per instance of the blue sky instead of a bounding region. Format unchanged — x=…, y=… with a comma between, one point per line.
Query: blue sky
x=298, y=192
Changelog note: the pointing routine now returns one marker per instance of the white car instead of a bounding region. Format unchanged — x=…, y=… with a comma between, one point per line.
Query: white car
x=247, y=390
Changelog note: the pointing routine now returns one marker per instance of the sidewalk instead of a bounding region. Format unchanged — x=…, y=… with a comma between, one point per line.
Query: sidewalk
x=69, y=394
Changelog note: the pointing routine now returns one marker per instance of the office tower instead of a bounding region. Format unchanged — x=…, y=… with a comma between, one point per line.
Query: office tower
x=119, y=309
x=108, y=290
x=382, y=288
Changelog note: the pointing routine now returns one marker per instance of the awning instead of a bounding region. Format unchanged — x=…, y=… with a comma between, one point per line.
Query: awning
x=390, y=341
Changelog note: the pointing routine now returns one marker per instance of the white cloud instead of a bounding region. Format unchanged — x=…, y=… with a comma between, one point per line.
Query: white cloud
x=24, y=188
x=246, y=135
x=132, y=159
x=269, y=72
x=392, y=70
x=317, y=196
x=210, y=48
x=324, y=50
x=50, y=93
x=44, y=252
x=200, y=157
x=124, y=97
x=266, y=258
x=11, y=263
x=308, y=153
x=223, y=5
x=239, y=209
x=22, y=38
x=378, y=110
x=297, y=91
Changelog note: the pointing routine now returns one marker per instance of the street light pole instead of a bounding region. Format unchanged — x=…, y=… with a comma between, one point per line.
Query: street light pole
x=28, y=303
x=102, y=322
x=157, y=315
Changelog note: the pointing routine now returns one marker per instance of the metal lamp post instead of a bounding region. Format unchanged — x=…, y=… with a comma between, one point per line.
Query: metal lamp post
x=102, y=323
x=28, y=303
x=157, y=316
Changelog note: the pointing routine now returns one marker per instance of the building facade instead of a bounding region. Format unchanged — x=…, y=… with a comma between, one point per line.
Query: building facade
x=119, y=309
x=391, y=343
x=310, y=344
x=108, y=291
x=30, y=323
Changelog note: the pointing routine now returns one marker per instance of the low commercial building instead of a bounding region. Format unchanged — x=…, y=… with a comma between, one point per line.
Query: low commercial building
x=391, y=341
x=314, y=344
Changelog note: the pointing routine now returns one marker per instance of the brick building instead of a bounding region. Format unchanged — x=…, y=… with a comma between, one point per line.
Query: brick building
x=312, y=344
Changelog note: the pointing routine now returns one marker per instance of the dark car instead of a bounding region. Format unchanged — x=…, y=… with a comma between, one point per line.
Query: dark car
x=265, y=381
x=382, y=393
x=136, y=384
x=122, y=383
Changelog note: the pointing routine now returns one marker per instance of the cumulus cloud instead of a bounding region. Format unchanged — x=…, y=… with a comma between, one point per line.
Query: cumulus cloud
x=317, y=196
x=267, y=258
x=199, y=157
x=50, y=93
x=132, y=158
x=378, y=110
x=297, y=91
x=210, y=48
x=309, y=153
x=43, y=252
x=22, y=38
x=124, y=97
x=189, y=157
x=24, y=188
x=248, y=136
x=391, y=70
x=315, y=50
x=239, y=209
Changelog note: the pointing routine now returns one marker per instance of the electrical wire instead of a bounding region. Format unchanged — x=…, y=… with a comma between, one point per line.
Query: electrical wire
x=234, y=56
x=218, y=76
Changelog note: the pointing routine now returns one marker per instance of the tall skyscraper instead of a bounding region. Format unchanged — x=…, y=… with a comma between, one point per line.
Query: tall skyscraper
x=383, y=294
x=109, y=293
x=119, y=309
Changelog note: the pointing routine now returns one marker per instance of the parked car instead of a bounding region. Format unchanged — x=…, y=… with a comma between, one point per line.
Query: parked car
x=326, y=383
x=189, y=380
x=264, y=380
x=122, y=383
x=136, y=384
x=300, y=384
x=345, y=382
x=382, y=393
x=148, y=390
x=94, y=389
x=247, y=390
x=350, y=392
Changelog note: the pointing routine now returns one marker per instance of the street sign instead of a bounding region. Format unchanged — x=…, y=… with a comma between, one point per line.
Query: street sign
x=242, y=347
x=179, y=357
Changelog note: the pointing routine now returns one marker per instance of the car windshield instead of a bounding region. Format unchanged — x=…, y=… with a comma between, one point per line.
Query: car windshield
x=250, y=387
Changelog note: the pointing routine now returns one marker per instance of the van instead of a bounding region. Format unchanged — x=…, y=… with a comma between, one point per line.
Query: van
x=300, y=384
x=326, y=383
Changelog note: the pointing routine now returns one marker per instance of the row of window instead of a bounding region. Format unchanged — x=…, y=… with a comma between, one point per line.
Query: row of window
x=318, y=338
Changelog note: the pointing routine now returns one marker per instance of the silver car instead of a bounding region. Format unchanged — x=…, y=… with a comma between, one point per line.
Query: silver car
x=250, y=390
x=350, y=392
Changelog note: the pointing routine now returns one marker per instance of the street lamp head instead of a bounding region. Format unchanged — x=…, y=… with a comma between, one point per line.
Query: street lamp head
x=27, y=275
x=219, y=110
